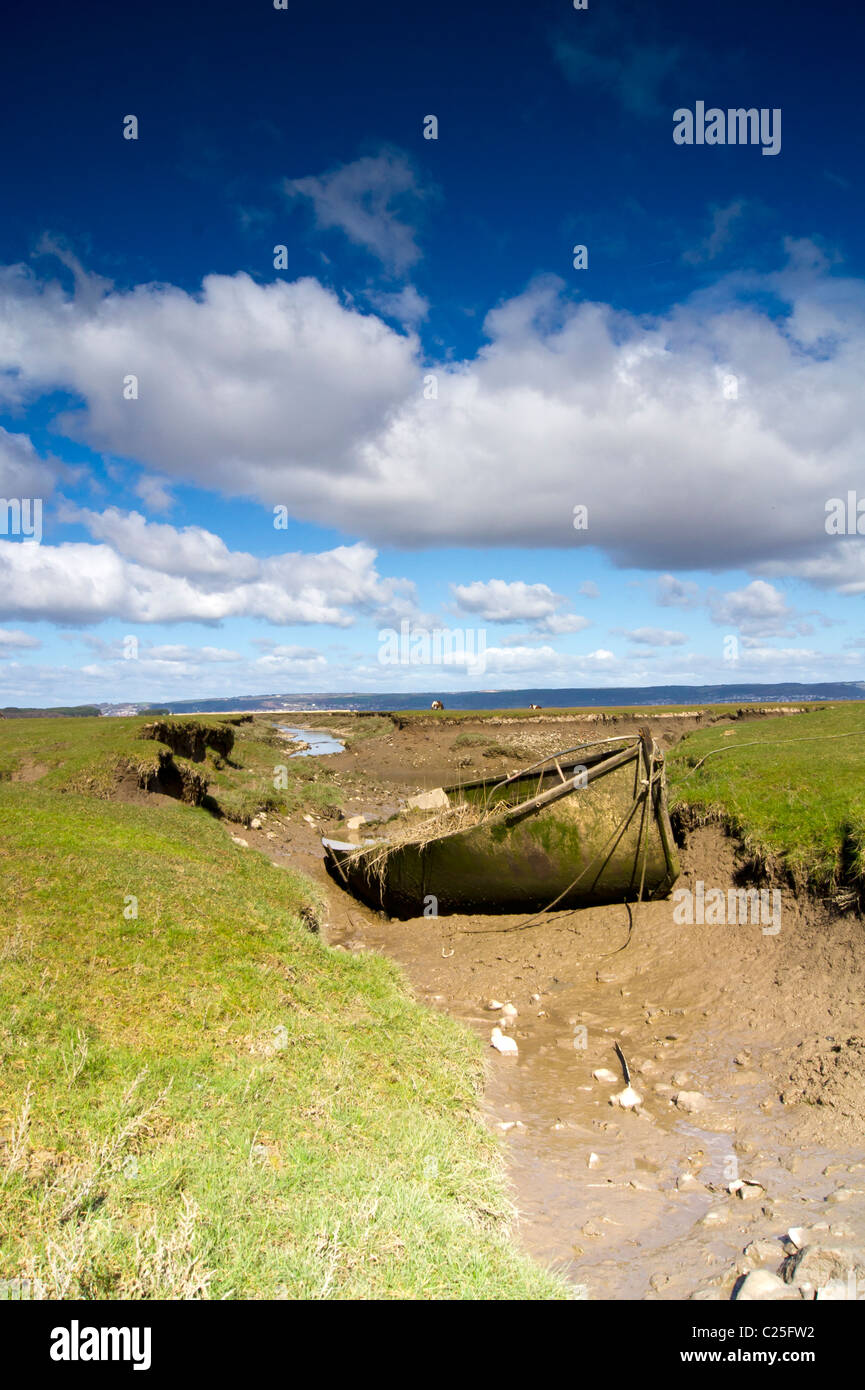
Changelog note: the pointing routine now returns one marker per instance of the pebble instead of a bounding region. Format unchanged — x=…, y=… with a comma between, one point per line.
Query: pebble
x=715, y=1216
x=686, y=1182
x=593, y=1161
x=761, y=1284
x=243, y=843
x=502, y=1044
x=604, y=1075
x=255, y=823
x=690, y=1102
x=746, y=1190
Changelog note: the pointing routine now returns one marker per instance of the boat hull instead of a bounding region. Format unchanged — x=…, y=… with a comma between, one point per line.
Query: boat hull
x=607, y=841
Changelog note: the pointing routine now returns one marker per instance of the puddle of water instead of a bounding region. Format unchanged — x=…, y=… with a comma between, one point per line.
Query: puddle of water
x=319, y=740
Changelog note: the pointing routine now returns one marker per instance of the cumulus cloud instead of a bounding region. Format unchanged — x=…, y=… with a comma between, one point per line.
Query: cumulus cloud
x=759, y=610
x=370, y=200
x=204, y=582
x=283, y=393
x=503, y=601
x=260, y=390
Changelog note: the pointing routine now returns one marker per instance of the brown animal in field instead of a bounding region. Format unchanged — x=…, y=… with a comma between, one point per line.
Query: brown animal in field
x=534, y=707
x=436, y=704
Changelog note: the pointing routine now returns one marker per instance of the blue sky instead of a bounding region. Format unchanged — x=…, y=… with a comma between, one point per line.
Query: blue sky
x=281, y=302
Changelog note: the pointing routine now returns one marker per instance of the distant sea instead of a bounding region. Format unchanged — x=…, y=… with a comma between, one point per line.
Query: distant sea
x=681, y=696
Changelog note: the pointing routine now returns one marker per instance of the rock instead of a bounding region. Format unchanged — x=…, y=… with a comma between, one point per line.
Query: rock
x=746, y=1190
x=354, y=822
x=509, y=1012
x=604, y=1075
x=309, y=820
x=760, y=1285
x=690, y=1102
x=593, y=1161
x=493, y=1005
x=800, y=1236
x=255, y=823
x=680, y=1079
x=715, y=1216
x=502, y=1044
x=763, y=1252
x=244, y=844
x=818, y=1265
x=686, y=1182
x=435, y=800
x=843, y=1194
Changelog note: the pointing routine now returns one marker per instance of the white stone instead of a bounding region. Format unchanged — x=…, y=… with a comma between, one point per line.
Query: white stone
x=435, y=800
x=502, y=1044
x=760, y=1285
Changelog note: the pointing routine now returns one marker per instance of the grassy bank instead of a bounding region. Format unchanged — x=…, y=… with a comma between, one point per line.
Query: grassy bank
x=411, y=718
x=792, y=788
x=197, y=1096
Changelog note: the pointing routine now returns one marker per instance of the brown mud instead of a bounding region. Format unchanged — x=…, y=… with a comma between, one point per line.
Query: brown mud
x=747, y=1048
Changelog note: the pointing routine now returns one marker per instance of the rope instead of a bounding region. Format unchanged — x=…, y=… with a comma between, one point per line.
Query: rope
x=774, y=743
x=611, y=843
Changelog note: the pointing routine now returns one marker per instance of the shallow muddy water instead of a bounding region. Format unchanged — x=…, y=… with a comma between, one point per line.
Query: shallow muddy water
x=319, y=740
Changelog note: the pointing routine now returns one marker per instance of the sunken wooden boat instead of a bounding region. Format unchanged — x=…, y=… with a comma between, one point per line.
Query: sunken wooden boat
x=585, y=826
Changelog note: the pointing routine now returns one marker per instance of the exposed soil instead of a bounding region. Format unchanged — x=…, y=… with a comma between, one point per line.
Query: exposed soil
x=765, y=1028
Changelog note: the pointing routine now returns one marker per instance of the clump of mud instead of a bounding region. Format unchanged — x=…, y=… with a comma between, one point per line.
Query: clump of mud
x=833, y=1077
x=190, y=738
x=169, y=778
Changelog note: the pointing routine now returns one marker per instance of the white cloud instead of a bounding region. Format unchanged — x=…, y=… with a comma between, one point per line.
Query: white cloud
x=22, y=472
x=282, y=393
x=671, y=592
x=407, y=306
x=656, y=637
x=12, y=641
x=369, y=200
x=80, y=583
x=154, y=493
x=759, y=609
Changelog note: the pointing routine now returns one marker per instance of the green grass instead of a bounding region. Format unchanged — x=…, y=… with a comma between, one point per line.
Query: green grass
x=91, y=755
x=798, y=805
x=200, y=1098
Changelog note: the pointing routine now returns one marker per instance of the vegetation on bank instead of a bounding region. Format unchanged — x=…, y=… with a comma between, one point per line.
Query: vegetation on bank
x=793, y=789
x=603, y=714
x=198, y=1098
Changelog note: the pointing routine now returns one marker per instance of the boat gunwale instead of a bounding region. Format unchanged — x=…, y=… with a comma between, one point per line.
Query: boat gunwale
x=522, y=809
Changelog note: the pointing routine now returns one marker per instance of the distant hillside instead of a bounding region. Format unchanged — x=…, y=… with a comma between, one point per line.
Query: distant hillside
x=61, y=712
